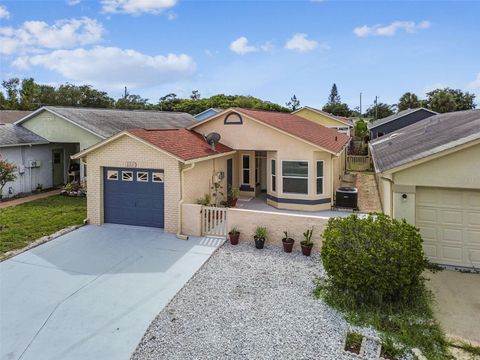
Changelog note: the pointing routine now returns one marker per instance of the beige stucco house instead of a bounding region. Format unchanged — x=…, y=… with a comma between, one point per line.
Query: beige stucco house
x=429, y=174
x=338, y=123
x=143, y=177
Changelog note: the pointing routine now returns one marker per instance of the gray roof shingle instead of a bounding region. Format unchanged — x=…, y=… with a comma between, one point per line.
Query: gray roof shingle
x=398, y=115
x=10, y=116
x=108, y=122
x=12, y=135
x=424, y=138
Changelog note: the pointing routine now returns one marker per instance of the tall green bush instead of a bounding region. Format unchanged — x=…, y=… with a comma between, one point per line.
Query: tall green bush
x=376, y=259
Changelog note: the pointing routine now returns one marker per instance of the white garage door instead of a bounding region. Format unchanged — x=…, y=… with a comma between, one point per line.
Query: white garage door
x=449, y=221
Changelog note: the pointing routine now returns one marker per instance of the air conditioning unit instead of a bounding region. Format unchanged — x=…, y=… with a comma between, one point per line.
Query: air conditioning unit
x=34, y=163
x=347, y=197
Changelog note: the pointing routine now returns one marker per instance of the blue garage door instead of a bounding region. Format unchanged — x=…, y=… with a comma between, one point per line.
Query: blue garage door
x=134, y=196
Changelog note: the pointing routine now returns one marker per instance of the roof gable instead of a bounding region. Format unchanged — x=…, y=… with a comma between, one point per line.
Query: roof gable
x=302, y=129
x=107, y=122
x=397, y=116
x=341, y=120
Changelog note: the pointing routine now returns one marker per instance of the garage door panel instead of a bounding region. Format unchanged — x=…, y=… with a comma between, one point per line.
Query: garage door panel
x=473, y=219
x=427, y=215
x=452, y=253
x=449, y=222
x=452, y=235
x=133, y=198
x=453, y=217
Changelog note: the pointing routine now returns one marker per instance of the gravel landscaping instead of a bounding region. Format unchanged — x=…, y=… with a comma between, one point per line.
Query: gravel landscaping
x=246, y=303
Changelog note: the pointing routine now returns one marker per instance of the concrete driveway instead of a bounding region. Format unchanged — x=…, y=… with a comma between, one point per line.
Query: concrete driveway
x=92, y=293
x=457, y=304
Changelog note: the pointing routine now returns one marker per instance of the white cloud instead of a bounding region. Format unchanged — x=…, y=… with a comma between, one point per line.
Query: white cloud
x=300, y=43
x=4, y=14
x=475, y=84
x=391, y=30
x=241, y=46
x=35, y=35
x=171, y=15
x=73, y=2
x=137, y=7
x=112, y=67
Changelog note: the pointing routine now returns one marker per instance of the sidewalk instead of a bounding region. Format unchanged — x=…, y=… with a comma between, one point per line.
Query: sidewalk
x=22, y=200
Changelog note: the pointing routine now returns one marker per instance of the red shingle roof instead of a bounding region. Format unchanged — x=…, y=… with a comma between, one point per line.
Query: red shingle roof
x=182, y=143
x=310, y=131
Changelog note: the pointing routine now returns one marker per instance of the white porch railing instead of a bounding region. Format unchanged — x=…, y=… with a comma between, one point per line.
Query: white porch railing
x=359, y=162
x=214, y=221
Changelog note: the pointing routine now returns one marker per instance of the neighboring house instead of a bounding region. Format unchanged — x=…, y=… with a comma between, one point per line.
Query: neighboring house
x=207, y=113
x=142, y=177
x=79, y=128
x=397, y=121
x=429, y=174
x=32, y=155
x=340, y=124
x=11, y=116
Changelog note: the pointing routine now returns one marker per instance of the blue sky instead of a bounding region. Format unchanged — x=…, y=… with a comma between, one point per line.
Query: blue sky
x=268, y=49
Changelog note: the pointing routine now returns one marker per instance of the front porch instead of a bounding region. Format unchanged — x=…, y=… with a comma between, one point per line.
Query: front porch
x=259, y=203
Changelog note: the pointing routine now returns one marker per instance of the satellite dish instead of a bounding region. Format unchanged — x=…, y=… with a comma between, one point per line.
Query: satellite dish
x=212, y=138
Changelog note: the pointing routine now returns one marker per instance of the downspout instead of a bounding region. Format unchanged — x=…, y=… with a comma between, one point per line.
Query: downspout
x=180, y=203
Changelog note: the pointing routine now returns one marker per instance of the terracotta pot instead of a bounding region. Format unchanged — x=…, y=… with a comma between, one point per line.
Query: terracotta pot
x=234, y=238
x=306, y=249
x=259, y=243
x=233, y=203
x=287, y=246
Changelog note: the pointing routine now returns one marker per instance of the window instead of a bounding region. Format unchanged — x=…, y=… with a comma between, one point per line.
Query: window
x=157, y=177
x=127, y=175
x=295, y=177
x=57, y=158
x=274, y=177
x=320, y=177
x=257, y=170
x=112, y=175
x=142, y=176
x=246, y=169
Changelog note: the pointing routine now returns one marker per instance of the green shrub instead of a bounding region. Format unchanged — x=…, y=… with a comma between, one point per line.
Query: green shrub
x=375, y=259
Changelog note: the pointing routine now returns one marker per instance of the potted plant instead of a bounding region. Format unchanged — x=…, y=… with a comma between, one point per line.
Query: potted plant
x=307, y=244
x=234, y=235
x=287, y=243
x=232, y=197
x=260, y=236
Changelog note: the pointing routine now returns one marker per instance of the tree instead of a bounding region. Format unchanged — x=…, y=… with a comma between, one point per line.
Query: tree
x=360, y=129
x=11, y=87
x=132, y=102
x=440, y=100
x=293, y=104
x=380, y=111
x=195, y=95
x=7, y=174
x=334, y=98
x=29, y=95
x=408, y=101
x=337, y=109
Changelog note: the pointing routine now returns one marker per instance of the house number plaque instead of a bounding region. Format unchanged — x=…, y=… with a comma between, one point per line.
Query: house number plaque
x=131, y=164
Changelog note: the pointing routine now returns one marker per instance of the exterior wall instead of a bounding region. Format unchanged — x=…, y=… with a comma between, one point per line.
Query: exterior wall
x=28, y=180
x=400, y=123
x=457, y=170
x=114, y=154
x=318, y=118
x=252, y=136
x=276, y=223
x=55, y=129
x=198, y=181
x=191, y=219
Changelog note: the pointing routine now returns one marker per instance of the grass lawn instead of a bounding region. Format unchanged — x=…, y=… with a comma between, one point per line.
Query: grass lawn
x=22, y=224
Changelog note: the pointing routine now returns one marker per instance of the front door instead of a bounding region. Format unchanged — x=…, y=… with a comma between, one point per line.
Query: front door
x=58, y=167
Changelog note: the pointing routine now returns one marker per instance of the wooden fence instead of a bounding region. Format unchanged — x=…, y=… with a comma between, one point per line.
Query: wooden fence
x=359, y=162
